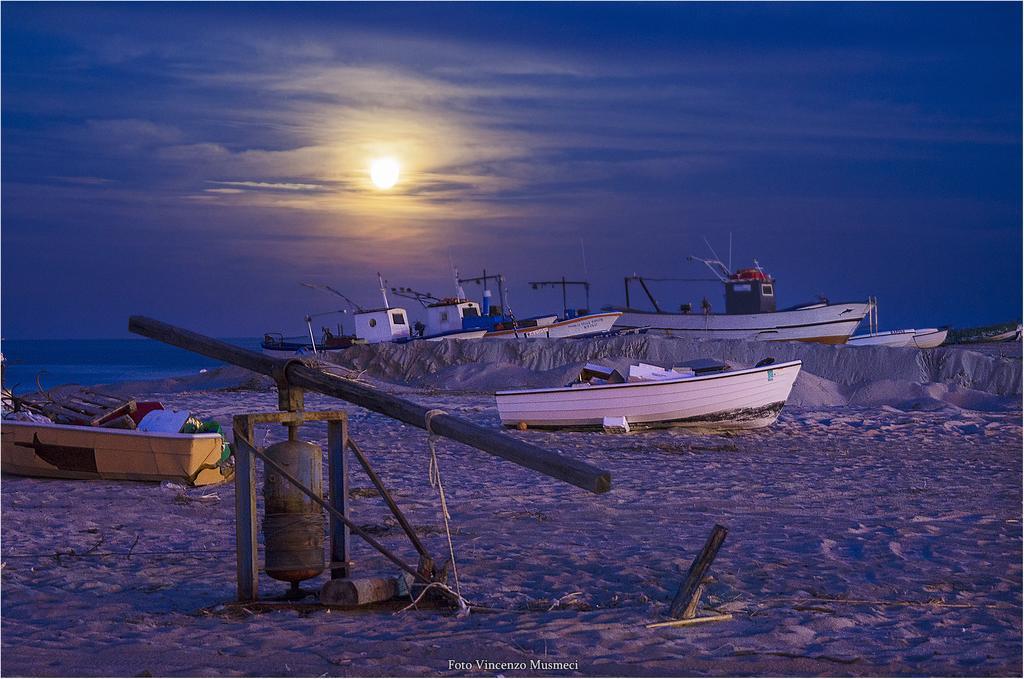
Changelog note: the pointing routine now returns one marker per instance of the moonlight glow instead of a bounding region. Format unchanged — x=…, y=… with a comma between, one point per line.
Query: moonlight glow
x=384, y=172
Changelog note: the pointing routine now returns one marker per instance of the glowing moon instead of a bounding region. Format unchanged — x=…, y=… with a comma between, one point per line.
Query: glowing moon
x=384, y=172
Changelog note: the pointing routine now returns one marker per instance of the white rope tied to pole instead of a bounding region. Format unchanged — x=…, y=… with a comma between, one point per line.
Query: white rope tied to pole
x=434, y=475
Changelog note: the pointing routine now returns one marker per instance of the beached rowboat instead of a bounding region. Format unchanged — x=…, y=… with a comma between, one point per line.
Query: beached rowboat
x=580, y=326
x=74, y=452
x=736, y=399
x=921, y=338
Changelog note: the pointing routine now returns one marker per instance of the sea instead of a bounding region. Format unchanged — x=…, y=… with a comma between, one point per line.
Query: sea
x=29, y=364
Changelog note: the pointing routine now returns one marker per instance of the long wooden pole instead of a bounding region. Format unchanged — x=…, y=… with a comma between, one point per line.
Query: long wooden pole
x=296, y=374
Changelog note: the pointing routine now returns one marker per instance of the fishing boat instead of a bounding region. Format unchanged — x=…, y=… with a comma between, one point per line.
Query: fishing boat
x=391, y=324
x=79, y=452
x=715, y=398
x=501, y=324
x=750, y=312
x=278, y=346
x=372, y=326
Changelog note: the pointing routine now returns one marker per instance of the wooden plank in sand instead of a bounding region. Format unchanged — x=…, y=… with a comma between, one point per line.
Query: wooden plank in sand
x=685, y=604
x=296, y=374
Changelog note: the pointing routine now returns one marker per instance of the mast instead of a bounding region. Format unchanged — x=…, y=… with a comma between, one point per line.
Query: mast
x=383, y=291
x=459, y=292
x=483, y=280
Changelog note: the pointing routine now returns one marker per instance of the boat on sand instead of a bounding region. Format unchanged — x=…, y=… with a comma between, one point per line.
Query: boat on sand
x=701, y=396
x=920, y=338
x=750, y=312
x=77, y=452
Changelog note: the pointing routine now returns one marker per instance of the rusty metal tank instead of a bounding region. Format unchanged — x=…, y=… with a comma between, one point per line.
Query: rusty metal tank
x=293, y=525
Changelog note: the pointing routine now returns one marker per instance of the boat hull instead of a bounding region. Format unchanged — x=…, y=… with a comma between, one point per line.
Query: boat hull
x=591, y=324
x=450, y=335
x=893, y=338
x=930, y=338
x=72, y=452
x=923, y=338
x=741, y=399
x=824, y=323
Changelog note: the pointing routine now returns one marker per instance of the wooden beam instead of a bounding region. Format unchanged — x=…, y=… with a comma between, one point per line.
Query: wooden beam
x=245, y=513
x=390, y=502
x=527, y=455
x=337, y=463
x=688, y=596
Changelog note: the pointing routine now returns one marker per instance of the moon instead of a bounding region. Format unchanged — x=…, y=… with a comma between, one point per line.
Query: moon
x=384, y=172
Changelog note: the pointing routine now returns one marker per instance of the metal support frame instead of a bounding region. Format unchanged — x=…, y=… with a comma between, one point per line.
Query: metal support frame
x=245, y=489
x=565, y=299
x=341, y=525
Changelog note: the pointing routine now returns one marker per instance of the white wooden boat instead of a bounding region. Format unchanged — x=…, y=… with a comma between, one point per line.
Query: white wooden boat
x=736, y=399
x=74, y=452
x=589, y=324
x=1014, y=334
x=929, y=338
x=919, y=338
x=891, y=338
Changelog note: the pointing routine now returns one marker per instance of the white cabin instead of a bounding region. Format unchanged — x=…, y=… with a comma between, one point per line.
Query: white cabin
x=447, y=315
x=382, y=325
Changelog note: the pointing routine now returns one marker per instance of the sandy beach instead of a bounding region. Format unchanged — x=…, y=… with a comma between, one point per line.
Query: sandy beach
x=863, y=540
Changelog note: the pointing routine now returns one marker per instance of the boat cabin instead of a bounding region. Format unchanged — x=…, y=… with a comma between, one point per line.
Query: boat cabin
x=749, y=291
x=448, y=314
x=382, y=325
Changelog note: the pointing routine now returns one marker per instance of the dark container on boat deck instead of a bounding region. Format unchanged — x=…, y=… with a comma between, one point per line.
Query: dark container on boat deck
x=293, y=525
x=749, y=291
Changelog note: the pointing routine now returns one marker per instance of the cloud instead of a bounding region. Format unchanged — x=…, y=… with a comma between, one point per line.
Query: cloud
x=272, y=186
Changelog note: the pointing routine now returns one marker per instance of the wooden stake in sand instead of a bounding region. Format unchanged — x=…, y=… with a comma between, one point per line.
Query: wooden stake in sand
x=685, y=604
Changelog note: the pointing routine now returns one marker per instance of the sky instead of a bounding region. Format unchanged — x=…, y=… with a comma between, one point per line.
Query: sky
x=197, y=162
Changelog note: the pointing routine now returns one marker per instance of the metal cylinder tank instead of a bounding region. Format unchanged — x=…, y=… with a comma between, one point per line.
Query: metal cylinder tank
x=293, y=525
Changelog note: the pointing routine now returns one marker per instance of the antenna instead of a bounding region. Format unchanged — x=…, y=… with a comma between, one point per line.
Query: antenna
x=583, y=254
x=719, y=259
x=316, y=286
x=383, y=292
x=459, y=292
x=714, y=265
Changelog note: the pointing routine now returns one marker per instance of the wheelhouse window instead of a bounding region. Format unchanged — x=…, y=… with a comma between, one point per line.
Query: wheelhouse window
x=444, y=315
x=767, y=290
x=398, y=318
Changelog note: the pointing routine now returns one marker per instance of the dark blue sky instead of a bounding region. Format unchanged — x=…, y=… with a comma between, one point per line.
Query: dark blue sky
x=197, y=162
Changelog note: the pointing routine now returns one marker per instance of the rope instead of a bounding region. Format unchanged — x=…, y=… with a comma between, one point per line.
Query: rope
x=464, y=606
x=434, y=475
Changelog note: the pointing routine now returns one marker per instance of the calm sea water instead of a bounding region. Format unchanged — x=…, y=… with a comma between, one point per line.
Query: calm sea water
x=100, y=361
